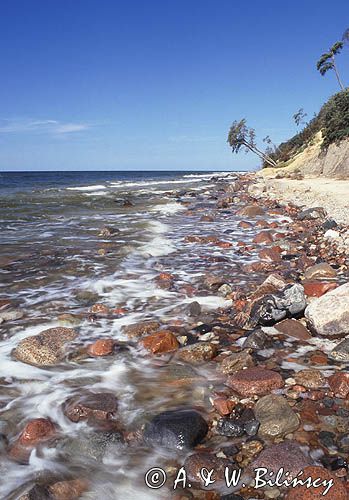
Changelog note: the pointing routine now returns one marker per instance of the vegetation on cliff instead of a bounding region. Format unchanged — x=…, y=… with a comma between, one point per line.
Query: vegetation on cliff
x=332, y=121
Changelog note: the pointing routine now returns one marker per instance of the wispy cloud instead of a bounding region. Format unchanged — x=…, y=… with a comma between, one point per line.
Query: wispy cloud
x=53, y=127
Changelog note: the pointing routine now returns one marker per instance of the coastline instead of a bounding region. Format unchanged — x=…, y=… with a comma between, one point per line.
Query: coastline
x=331, y=194
x=219, y=320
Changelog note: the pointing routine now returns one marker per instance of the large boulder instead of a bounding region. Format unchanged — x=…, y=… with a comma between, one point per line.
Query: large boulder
x=45, y=349
x=181, y=429
x=328, y=315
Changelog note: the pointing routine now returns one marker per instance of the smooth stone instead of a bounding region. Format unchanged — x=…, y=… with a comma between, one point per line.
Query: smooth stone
x=102, y=347
x=160, y=342
x=141, y=328
x=194, y=309
x=197, y=353
x=318, y=288
x=310, y=379
x=45, y=349
x=255, y=381
x=195, y=463
x=287, y=455
x=312, y=213
x=293, y=328
x=68, y=490
x=341, y=352
x=328, y=315
x=339, y=384
x=250, y=211
x=180, y=429
x=276, y=417
x=91, y=407
x=336, y=492
x=319, y=271
x=235, y=362
x=256, y=340
x=93, y=445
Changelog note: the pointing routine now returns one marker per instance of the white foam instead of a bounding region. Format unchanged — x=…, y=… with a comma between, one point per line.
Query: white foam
x=169, y=208
x=87, y=188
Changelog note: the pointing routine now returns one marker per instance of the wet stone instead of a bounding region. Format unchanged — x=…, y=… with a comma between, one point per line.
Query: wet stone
x=250, y=211
x=293, y=328
x=311, y=379
x=336, y=492
x=341, y=352
x=196, y=462
x=160, y=342
x=339, y=384
x=229, y=427
x=91, y=407
x=193, y=309
x=92, y=446
x=317, y=288
x=197, y=353
x=180, y=429
x=45, y=349
x=256, y=340
x=68, y=490
x=255, y=381
x=235, y=362
x=276, y=417
x=102, y=347
x=140, y=329
x=287, y=455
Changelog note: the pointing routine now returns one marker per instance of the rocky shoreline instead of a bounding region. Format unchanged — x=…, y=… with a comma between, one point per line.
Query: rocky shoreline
x=270, y=365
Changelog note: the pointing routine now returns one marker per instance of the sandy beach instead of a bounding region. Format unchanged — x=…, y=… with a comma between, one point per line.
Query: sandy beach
x=331, y=194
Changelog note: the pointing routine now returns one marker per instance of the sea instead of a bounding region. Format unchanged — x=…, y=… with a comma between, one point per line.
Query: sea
x=73, y=239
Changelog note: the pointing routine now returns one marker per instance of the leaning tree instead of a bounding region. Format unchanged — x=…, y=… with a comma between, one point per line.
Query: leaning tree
x=243, y=137
x=328, y=61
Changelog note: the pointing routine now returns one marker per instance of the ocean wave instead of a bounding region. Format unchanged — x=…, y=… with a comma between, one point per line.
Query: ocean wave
x=87, y=188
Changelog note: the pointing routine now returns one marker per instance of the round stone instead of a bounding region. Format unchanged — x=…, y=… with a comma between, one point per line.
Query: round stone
x=253, y=381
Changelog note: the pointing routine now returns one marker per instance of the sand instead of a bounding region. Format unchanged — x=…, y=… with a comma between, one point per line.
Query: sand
x=331, y=194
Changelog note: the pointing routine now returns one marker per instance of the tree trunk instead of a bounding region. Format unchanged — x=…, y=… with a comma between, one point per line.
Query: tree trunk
x=337, y=74
x=259, y=153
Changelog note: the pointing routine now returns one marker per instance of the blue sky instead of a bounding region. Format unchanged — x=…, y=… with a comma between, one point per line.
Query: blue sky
x=155, y=84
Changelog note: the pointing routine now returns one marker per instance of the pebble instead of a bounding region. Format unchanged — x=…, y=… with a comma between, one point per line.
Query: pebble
x=311, y=379
x=276, y=417
x=102, y=347
x=339, y=384
x=160, y=342
x=235, y=362
x=336, y=492
x=197, y=353
x=253, y=381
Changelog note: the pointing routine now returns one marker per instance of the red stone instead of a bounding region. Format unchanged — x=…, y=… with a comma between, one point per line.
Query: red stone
x=68, y=490
x=263, y=237
x=293, y=328
x=223, y=406
x=339, y=384
x=317, y=288
x=160, y=342
x=36, y=431
x=262, y=223
x=99, y=309
x=245, y=225
x=255, y=380
x=224, y=244
x=336, y=492
x=165, y=276
x=271, y=254
x=102, y=347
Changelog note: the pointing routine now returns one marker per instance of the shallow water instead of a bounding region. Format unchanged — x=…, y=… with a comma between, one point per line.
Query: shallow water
x=50, y=251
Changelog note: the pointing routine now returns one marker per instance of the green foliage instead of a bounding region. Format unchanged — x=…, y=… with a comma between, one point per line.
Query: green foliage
x=335, y=118
x=240, y=135
x=332, y=121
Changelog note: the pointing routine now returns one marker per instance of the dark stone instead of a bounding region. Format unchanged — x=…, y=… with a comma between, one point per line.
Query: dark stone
x=339, y=463
x=327, y=438
x=257, y=339
x=312, y=213
x=329, y=224
x=341, y=352
x=93, y=445
x=176, y=429
x=270, y=309
x=38, y=492
x=251, y=427
x=203, y=328
x=230, y=428
x=194, y=309
x=231, y=496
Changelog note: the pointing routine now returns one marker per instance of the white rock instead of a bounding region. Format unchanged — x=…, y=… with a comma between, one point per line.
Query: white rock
x=329, y=315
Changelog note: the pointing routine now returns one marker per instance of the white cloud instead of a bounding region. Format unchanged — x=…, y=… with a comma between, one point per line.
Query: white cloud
x=53, y=127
